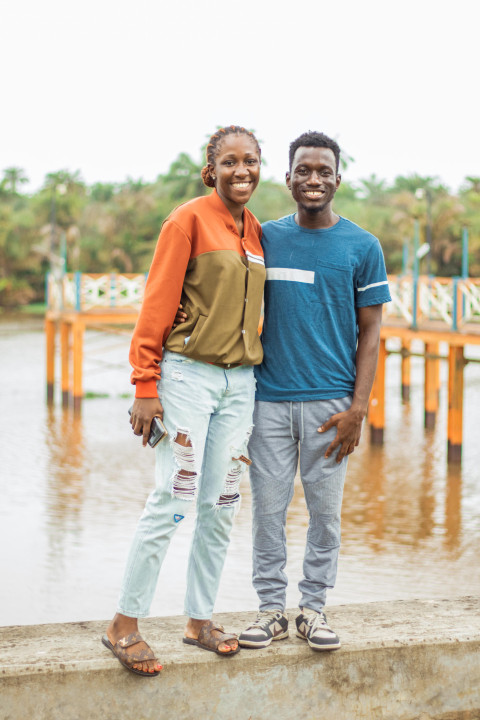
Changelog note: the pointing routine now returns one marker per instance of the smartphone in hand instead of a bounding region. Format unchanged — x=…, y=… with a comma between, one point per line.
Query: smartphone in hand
x=158, y=431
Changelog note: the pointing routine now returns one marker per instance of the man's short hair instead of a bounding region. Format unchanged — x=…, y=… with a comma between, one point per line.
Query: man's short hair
x=314, y=139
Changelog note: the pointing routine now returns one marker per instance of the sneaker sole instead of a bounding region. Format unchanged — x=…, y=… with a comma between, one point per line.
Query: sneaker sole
x=263, y=643
x=331, y=646
x=314, y=646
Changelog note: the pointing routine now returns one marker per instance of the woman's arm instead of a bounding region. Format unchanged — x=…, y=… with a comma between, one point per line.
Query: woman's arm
x=162, y=296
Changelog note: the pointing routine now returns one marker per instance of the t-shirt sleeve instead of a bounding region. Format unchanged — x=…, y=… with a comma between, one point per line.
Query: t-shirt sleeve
x=371, y=283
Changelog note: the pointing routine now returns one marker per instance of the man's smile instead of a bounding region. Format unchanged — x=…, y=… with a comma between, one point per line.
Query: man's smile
x=314, y=194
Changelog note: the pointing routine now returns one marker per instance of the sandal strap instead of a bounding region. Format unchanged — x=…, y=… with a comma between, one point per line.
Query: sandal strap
x=205, y=636
x=130, y=640
x=133, y=657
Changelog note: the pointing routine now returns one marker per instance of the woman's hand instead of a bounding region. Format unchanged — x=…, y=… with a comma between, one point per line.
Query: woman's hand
x=180, y=317
x=143, y=412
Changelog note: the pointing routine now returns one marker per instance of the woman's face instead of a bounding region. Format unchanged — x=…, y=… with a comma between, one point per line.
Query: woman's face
x=237, y=169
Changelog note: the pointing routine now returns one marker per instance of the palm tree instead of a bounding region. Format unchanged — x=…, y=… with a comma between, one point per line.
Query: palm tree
x=374, y=189
x=414, y=182
x=12, y=177
x=184, y=176
x=474, y=182
x=71, y=182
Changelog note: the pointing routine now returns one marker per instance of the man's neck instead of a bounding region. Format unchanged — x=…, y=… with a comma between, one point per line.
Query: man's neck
x=321, y=220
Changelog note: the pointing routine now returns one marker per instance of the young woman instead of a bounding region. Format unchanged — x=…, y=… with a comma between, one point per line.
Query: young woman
x=198, y=377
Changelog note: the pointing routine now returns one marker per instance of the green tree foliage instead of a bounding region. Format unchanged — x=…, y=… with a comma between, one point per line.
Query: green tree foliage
x=13, y=177
x=113, y=227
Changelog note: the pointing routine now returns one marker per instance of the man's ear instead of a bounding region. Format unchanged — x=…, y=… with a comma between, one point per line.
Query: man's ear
x=338, y=181
x=288, y=180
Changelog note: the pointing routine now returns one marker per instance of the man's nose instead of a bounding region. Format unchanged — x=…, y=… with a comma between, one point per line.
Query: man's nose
x=314, y=178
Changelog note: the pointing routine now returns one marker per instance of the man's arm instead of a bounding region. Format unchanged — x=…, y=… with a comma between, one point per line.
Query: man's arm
x=349, y=423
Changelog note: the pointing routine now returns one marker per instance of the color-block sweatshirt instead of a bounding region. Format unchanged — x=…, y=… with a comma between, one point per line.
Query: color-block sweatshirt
x=201, y=261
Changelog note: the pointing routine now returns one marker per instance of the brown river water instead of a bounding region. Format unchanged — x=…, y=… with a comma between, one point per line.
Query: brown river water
x=72, y=488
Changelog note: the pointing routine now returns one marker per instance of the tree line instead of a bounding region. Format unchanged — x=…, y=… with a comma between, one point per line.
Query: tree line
x=113, y=227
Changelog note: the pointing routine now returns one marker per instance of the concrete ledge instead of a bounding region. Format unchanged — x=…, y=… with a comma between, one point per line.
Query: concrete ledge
x=404, y=660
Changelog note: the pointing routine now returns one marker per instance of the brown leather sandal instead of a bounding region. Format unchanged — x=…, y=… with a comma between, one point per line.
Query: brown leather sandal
x=128, y=660
x=208, y=641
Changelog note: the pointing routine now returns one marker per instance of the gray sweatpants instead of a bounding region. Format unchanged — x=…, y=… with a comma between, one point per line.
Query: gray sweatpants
x=282, y=432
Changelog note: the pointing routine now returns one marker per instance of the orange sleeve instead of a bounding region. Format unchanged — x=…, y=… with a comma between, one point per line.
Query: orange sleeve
x=162, y=296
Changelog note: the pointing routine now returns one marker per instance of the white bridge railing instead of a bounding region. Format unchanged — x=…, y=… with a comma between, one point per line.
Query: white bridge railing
x=452, y=301
x=83, y=292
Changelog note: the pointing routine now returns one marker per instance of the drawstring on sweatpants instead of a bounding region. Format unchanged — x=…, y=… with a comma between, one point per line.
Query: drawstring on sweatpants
x=302, y=427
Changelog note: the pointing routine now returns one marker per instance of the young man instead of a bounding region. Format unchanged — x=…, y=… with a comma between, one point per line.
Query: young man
x=326, y=282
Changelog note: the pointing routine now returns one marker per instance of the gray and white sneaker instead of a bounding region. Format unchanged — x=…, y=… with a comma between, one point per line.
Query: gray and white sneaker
x=312, y=627
x=269, y=625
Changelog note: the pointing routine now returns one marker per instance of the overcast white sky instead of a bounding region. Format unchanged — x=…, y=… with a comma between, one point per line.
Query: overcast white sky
x=116, y=89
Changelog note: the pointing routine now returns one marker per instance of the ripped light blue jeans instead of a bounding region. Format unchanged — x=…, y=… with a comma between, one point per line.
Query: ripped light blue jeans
x=210, y=409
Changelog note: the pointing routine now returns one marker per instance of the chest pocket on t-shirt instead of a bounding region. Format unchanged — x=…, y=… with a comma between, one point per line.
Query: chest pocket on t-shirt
x=333, y=284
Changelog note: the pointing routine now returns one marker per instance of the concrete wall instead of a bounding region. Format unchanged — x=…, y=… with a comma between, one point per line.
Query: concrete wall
x=404, y=660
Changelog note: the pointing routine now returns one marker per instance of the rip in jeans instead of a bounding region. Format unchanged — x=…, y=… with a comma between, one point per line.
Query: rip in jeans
x=231, y=496
x=185, y=476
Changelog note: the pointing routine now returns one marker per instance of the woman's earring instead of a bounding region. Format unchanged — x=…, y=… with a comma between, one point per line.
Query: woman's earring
x=214, y=177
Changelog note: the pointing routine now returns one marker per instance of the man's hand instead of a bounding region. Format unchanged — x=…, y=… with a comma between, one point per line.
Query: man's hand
x=349, y=429
x=143, y=412
x=349, y=423
x=180, y=317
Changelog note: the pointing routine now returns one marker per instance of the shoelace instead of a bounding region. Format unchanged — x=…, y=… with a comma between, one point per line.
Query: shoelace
x=264, y=617
x=315, y=620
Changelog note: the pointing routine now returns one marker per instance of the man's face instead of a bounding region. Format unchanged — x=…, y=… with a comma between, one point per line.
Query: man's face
x=313, y=179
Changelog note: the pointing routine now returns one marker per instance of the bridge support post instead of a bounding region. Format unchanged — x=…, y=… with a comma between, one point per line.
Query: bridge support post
x=406, y=366
x=50, y=331
x=456, y=365
x=376, y=408
x=65, y=333
x=78, y=331
x=432, y=383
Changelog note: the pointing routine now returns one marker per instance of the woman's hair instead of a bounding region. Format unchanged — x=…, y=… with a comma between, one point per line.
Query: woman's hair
x=213, y=148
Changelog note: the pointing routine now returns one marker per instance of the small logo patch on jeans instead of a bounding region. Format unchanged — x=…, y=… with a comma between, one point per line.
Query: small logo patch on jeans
x=177, y=518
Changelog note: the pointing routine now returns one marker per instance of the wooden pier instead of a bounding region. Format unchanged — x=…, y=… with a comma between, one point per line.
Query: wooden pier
x=79, y=301
x=433, y=310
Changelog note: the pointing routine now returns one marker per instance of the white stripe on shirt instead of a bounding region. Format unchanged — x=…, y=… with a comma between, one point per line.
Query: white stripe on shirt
x=292, y=274
x=255, y=258
x=367, y=287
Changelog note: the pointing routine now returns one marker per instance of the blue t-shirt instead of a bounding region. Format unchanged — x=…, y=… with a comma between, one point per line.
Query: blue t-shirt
x=316, y=280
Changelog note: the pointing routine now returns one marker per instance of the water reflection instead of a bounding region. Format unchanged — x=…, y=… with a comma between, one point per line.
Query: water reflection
x=65, y=469
x=410, y=521
x=453, y=507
